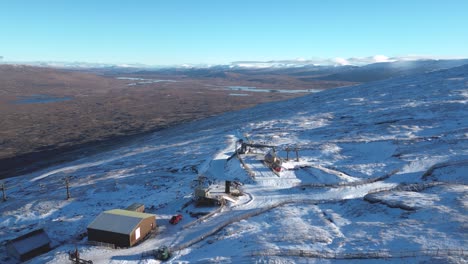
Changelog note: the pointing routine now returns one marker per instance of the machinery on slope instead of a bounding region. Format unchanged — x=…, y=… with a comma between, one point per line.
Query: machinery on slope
x=271, y=159
x=163, y=253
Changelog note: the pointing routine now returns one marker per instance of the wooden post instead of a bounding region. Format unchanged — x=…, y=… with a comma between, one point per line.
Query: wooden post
x=227, y=187
x=287, y=153
x=77, y=254
x=67, y=183
x=297, y=154
x=4, y=192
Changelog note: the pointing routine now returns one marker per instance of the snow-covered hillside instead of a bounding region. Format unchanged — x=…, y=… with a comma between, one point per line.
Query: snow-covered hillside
x=382, y=175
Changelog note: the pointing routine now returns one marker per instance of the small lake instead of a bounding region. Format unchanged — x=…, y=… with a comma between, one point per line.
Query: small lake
x=238, y=94
x=142, y=81
x=41, y=99
x=259, y=90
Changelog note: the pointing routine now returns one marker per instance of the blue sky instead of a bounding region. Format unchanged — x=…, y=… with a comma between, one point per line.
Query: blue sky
x=208, y=31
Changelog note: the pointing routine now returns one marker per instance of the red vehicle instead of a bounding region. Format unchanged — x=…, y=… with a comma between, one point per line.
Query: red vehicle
x=175, y=219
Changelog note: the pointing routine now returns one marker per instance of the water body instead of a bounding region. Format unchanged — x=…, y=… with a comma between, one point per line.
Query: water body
x=237, y=94
x=259, y=90
x=41, y=99
x=142, y=81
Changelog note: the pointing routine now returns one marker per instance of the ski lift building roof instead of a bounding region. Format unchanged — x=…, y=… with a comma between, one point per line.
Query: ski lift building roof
x=121, y=228
x=118, y=221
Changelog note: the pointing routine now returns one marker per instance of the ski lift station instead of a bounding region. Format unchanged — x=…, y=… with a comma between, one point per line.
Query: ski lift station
x=122, y=228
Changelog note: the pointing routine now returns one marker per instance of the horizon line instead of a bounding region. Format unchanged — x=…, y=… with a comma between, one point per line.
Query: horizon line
x=316, y=61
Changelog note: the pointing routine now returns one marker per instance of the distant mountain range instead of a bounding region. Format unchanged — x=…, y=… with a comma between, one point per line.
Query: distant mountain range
x=351, y=70
x=294, y=63
x=385, y=70
x=305, y=72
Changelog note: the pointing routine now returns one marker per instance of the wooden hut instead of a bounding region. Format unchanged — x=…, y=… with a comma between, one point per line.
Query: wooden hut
x=136, y=207
x=29, y=245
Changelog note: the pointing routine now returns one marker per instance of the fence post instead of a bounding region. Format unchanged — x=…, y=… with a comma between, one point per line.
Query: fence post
x=297, y=154
x=67, y=183
x=4, y=192
x=287, y=153
x=77, y=254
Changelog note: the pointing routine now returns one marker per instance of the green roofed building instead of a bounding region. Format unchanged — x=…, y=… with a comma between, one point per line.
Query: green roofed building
x=122, y=228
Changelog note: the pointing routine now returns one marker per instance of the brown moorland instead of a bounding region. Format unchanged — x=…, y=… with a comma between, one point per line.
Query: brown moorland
x=50, y=115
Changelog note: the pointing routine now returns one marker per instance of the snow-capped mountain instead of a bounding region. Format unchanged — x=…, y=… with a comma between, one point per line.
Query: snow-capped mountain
x=272, y=64
x=397, y=68
x=78, y=64
x=380, y=175
x=354, y=61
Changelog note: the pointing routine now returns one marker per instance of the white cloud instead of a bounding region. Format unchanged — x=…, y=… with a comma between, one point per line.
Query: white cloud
x=381, y=58
x=341, y=61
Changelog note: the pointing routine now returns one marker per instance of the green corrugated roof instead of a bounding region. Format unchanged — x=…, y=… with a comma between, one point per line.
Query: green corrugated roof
x=118, y=221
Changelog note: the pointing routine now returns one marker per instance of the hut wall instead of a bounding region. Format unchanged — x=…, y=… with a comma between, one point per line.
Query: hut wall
x=36, y=252
x=136, y=207
x=145, y=227
x=119, y=240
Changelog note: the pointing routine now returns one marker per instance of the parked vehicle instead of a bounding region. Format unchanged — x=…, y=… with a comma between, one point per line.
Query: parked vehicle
x=175, y=219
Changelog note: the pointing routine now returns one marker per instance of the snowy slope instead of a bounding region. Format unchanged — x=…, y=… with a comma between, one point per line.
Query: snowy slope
x=381, y=175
